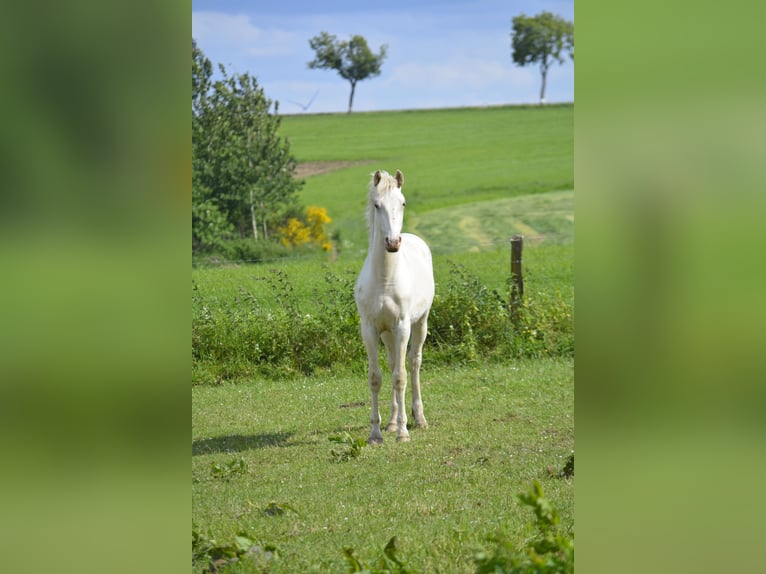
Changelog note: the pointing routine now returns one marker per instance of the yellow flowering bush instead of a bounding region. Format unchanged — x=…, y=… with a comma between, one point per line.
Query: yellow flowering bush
x=296, y=232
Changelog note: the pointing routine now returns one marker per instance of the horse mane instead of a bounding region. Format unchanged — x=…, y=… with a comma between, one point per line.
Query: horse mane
x=387, y=183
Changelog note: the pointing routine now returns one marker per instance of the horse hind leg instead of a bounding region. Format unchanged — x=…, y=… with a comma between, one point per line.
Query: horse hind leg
x=399, y=376
x=415, y=357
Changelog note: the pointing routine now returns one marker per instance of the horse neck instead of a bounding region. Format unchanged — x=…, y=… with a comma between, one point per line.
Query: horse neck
x=383, y=262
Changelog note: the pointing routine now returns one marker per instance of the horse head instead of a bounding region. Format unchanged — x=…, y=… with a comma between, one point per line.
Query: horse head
x=386, y=208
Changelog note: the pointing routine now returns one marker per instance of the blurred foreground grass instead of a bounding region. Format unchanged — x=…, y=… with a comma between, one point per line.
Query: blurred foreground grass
x=94, y=407
x=95, y=261
x=670, y=197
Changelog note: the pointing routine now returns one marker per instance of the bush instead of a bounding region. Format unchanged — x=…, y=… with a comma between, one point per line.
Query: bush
x=296, y=232
x=468, y=322
x=242, y=250
x=243, y=336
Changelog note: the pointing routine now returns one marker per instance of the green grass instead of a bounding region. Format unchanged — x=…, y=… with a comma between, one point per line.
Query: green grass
x=548, y=268
x=449, y=157
x=261, y=445
x=541, y=218
x=299, y=315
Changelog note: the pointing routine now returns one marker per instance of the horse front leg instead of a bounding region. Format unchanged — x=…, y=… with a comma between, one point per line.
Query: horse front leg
x=399, y=375
x=388, y=341
x=375, y=379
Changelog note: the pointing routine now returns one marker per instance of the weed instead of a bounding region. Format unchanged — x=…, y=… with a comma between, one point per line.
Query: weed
x=226, y=471
x=469, y=321
x=211, y=556
x=568, y=470
x=351, y=447
x=551, y=551
x=278, y=509
x=387, y=563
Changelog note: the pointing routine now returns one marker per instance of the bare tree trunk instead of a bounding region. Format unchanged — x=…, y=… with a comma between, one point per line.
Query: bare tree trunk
x=252, y=216
x=252, y=199
x=351, y=97
x=544, y=71
x=265, y=229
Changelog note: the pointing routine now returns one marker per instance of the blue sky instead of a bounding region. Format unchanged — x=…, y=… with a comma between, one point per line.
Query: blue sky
x=440, y=54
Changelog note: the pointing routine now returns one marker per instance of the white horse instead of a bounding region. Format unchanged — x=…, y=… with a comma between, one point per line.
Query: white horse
x=393, y=294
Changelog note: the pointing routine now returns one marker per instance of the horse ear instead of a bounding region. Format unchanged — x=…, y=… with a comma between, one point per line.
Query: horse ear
x=399, y=178
x=376, y=178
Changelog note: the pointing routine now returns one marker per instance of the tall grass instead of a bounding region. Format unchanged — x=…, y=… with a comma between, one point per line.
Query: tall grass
x=300, y=318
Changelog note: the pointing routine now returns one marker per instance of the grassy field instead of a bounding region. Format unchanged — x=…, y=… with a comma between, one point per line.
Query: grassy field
x=540, y=218
x=549, y=268
x=451, y=159
x=493, y=430
x=272, y=384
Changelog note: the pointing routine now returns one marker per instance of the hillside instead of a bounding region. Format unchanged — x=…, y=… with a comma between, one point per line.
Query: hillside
x=469, y=172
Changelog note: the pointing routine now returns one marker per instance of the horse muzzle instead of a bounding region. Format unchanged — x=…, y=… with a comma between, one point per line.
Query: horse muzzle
x=392, y=246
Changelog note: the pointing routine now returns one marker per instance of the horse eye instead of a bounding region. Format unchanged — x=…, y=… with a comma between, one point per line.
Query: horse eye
x=377, y=206
x=404, y=203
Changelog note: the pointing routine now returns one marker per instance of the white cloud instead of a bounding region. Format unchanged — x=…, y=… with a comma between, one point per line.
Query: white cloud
x=236, y=36
x=459, y=74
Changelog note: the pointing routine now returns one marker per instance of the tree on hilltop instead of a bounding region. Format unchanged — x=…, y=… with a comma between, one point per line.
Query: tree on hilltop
x=352, y=59
x=541, y=39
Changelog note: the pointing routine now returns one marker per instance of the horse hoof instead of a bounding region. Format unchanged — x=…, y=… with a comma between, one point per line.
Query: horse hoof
x=421, y=424
x=391, y=427
x=403, y=438
x=375, y=440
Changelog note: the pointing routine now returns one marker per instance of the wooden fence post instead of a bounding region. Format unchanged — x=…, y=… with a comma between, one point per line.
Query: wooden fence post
x=517, y=280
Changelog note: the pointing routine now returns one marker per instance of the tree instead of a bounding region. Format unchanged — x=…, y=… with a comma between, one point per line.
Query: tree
x=352, y=59
x=541, y=39
x=241, y=168
x=210, y=226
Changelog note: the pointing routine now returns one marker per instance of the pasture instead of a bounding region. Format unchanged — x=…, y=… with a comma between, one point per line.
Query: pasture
x=493, y=429
x=451, y=159
x=273, y=384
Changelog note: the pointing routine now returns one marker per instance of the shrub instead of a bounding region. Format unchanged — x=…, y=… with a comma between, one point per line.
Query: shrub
x=244, y=335
x=468, y=322
x=297, y=232
x=242, y=250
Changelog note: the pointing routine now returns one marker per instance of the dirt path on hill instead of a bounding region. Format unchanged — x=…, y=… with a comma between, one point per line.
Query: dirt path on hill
x=309, y=168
